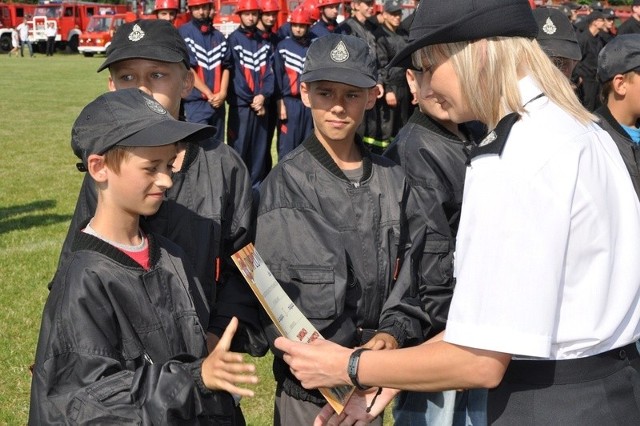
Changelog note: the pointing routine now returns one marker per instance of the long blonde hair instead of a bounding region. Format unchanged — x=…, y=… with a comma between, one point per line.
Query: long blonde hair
x=489, y=71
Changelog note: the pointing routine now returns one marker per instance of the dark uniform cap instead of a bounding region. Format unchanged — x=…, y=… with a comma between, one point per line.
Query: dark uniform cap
x=340, y=58
x=619, y=56
x=594, y=15
x=391, y=6
x=556, y=35
x=636, y=3
x=572, y=5
x=438, y=21
x=129, y=117
x=153, y=39
x=597, y=5
x=609, y=13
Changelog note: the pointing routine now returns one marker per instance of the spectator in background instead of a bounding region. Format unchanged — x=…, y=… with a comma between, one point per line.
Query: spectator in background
x=267, y=25
x=631, y=25
x=50, y=32
x=210, y=60
x=295, y=122
x=395, y=106
x=359, y=25
x=167, y=10
x=328, y=15
x=23, y=31
x=15, y=42
x=609, y=29
x=252, y=84
x=585, y=71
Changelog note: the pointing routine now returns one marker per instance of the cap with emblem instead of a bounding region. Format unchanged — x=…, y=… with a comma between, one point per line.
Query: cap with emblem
x=556, y=34
x=340, y=58
x=152, y=39
x=392, y=6
x=596, y=14
x=129, y=117
x=437, y=22
x=619, y=56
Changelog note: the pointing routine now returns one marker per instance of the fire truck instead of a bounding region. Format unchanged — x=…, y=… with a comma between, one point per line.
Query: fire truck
x=97, y=37
x=70, y=19
x=12, y=15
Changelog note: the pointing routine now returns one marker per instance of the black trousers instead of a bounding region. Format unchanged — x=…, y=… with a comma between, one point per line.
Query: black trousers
x=599, y=390
x=51, y=45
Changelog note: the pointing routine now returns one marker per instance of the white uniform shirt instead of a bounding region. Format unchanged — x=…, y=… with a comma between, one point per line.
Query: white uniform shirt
x=23, y=29
x=548, y=248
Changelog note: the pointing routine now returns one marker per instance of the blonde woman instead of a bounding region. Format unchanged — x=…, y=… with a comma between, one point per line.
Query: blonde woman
x=546, y=307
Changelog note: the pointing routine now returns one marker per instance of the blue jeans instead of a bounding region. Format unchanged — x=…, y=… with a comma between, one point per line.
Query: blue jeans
x=449, y=408
x=28, y=43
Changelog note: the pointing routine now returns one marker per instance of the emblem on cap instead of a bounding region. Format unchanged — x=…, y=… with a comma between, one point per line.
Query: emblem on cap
x=549, y=27
x=155, y=106
x=136, y=33
x=339, y=53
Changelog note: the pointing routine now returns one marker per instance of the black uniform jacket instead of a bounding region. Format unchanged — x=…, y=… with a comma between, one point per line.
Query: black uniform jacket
x=434, y=161
x=207, y=213
x=336, y=248
x=629, y=150
x=121, y=345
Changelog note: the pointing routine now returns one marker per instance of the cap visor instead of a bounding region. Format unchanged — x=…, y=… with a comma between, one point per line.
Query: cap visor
x=153, y=53
x=340, y=75
x=561, y=48
x=167, y=132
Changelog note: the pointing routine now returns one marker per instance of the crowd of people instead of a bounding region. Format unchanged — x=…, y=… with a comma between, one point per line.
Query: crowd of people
x=476, y=264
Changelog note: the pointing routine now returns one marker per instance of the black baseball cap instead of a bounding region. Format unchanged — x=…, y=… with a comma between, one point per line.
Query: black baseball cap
x=619, y=56
x=596, y=14
x=340, y=58
x=556, y=35
x=129, y=117
x=438, y=22
x=392, y=6
x=153, y=39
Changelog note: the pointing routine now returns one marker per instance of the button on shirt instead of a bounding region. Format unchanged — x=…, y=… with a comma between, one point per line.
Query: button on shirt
x=546, y=259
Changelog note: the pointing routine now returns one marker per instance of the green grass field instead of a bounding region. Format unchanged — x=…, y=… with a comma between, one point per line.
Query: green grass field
x=39, y=101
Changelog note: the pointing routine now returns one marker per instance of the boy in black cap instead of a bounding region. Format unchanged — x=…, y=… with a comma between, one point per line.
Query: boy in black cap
x=619, y=73
x=545, y=308
x=207, y=211
x=334, y=221
x=123, y=337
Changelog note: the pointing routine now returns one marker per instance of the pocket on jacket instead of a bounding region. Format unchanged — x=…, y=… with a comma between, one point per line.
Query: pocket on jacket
x=437, y=263
x=316, y=290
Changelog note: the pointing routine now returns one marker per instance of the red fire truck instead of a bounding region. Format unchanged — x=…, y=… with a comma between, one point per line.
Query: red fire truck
x=12, y=15
x=97, y=37
x=71, y=19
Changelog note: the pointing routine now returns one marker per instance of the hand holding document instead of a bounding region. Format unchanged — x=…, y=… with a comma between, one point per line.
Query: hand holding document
x=286, y=316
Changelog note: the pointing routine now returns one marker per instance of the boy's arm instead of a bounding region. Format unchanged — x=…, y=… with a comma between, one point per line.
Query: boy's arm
x=234, y=296
x=402, y=315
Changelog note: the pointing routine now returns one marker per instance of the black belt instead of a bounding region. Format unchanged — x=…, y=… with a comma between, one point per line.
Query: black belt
x=571, y=370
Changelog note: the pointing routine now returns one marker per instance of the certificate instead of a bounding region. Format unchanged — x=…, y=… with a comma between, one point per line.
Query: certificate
x=286, y=316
